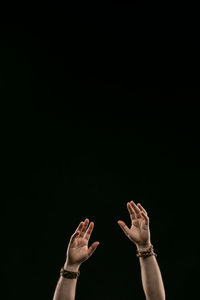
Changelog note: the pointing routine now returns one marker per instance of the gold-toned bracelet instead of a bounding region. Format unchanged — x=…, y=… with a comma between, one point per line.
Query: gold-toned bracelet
x=145, y=253
x=69, y=274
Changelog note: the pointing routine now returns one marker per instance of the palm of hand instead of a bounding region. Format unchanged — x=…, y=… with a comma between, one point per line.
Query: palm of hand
x=139, y=231
x=78, y=250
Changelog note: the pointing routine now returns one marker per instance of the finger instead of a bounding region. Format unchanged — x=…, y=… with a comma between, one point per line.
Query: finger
x=89, y=231
x=124, y=227
x=131, y=212
x=142, y=208
x=79, y=227
x=76, y=234
x=146, y=218
x=83, y=229
x=135, y=208
x=92, y=248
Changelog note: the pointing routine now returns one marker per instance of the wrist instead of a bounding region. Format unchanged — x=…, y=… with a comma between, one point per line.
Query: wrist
x=71, y=267
x=143, y=247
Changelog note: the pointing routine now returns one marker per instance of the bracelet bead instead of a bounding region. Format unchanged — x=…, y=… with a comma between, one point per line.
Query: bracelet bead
x=69, y=274
x=145, y=253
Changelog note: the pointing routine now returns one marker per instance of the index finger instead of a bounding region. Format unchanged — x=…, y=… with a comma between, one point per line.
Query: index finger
x=79, y=226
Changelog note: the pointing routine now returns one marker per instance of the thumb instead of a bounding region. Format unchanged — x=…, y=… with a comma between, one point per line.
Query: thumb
x=124, y=227
x=92, y=248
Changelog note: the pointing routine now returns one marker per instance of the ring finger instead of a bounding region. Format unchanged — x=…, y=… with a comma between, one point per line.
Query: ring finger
x=84, y=228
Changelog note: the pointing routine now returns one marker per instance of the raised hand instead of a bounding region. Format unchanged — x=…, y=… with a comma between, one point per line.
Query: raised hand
x=139, y=232
x=78, y=251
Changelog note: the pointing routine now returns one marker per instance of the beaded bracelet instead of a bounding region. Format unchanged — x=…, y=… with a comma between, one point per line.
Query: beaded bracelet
x=145, y=253
x=69, y=274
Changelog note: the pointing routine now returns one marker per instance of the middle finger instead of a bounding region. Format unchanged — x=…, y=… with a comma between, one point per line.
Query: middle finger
x=85, y=225
x=131, y=211
x=135, y=208
x=89, y=231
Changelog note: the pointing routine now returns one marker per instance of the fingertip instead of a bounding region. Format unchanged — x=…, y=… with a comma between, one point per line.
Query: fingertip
x=95, y=245
x=120, y=223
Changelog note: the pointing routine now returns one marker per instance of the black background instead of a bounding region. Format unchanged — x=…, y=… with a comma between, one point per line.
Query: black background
x=101, y=107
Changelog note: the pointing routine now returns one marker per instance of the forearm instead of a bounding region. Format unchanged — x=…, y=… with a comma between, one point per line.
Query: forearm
x=66, y=288
x=151, y=278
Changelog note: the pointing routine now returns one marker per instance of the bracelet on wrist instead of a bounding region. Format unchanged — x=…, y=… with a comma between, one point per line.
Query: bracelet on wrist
x=69, y=274
x=145, y=253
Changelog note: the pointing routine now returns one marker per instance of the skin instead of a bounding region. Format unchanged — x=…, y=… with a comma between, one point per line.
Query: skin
x=139, y=233
x=78, y=251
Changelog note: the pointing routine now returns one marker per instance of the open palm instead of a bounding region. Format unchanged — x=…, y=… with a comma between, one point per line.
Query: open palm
x=139, y=232
x=78, y=251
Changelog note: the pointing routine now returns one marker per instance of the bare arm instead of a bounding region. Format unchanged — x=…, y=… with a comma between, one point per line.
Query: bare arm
x=151, y=278
x=139, y=233
x=77, y=253
x=66, y=288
